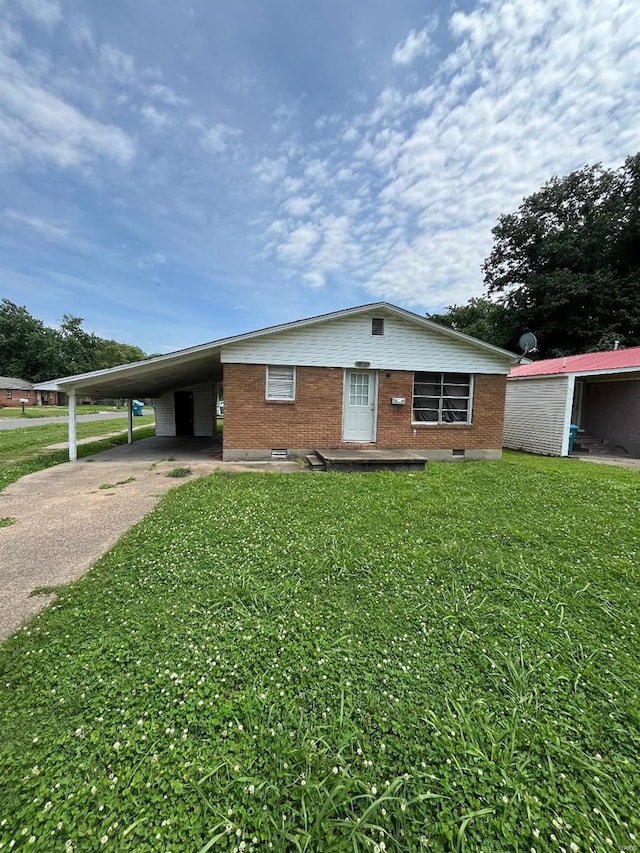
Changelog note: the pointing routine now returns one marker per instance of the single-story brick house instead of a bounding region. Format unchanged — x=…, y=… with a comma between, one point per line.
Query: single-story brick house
x=13, y=391
x=371, y=376
x=599, y=392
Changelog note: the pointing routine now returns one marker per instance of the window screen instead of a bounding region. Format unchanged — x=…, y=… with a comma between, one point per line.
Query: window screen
x=442, y=398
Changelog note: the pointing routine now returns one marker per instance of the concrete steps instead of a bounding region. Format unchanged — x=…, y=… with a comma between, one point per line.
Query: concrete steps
x=589, y=444
x=370, y=459
x=315, y=463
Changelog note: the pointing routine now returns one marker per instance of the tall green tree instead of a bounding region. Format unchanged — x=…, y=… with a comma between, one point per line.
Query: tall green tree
x=566, y=264
x=25, y=343
x=30, y=350
x=481, y=318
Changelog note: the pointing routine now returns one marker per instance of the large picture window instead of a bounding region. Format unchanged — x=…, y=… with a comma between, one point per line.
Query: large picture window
x=281, y=382
x=442, y=398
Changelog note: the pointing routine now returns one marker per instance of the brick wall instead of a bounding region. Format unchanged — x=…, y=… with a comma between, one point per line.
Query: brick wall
x=394, y=422
x=17, y=394
x=314, y=420
x=612, y=412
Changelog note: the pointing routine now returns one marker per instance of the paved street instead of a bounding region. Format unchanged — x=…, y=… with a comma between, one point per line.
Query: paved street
x=16, y=423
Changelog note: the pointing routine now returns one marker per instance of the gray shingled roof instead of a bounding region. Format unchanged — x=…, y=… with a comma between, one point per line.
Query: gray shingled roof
x=10, y=383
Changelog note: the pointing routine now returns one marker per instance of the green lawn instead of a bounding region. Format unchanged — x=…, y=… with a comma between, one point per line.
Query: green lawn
x=23, y=451
x=400, y=662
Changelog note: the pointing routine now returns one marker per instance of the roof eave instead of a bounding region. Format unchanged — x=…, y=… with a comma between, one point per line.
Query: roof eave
x=75, y=380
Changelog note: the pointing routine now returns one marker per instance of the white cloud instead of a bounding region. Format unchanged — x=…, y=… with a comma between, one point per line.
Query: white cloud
x=155, y=259
x=416, y=44
x=156, y=119
x=45, y=12
x=282, y=117
x=36, y=124
x=344, y=174
x=529, y=91
x=117, y=64
x=301, y=205
x=214, y=138
x=166, y=95
x=270, y=170
x=314, y=279
x=316, y=171
x=81, y=32
x=299, y=244
x=292, y=185
x=45, y=228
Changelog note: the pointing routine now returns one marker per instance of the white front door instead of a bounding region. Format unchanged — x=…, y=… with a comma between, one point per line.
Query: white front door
x=359, y=409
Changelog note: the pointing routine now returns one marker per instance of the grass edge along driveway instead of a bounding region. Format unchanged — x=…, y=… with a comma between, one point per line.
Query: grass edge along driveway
x=437, y=661
x=23, y=451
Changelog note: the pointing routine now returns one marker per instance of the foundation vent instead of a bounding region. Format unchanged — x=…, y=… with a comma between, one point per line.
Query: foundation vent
x=278, y=454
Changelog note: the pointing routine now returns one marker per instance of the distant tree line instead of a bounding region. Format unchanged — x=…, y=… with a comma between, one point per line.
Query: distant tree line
x=565, y=266
x=35, y=352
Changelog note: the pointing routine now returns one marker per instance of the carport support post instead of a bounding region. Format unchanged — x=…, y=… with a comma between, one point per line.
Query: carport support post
x=129, y=421
x=73, y=445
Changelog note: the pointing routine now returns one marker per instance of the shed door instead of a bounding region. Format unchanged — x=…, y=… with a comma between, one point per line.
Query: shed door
x=183, y=407
x=359, y=407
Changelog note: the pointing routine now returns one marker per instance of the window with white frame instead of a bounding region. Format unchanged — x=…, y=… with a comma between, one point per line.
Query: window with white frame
x=442, y=398
x=9, y=394
x=281, y=382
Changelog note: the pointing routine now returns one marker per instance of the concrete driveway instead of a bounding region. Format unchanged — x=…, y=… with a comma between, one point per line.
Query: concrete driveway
x=63, y=520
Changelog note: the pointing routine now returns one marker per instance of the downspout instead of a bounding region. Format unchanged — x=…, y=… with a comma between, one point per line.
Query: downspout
x=129, y=421
x=568, y=408
x=73, y=444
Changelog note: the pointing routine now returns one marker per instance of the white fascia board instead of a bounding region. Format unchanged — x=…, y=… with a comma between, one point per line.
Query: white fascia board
x=609, y=371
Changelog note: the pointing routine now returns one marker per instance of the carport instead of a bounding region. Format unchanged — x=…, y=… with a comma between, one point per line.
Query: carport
x=162, y=377
x=598, y=392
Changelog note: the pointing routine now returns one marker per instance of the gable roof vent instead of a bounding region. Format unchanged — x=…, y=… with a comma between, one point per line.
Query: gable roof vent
x=377, y=325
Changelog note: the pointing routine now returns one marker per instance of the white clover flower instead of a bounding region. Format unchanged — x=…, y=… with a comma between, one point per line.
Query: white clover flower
x=374, y=790
x=104, y=839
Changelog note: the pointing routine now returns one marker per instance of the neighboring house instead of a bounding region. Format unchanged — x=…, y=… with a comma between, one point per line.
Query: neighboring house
x=13, y=391
x=371, y=376
x=598, y=392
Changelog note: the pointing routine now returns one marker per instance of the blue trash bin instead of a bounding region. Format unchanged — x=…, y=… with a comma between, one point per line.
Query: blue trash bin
x=573, y=431
x=137, y=406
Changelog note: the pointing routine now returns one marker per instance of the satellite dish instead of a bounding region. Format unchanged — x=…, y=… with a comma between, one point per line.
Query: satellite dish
x=528, y=343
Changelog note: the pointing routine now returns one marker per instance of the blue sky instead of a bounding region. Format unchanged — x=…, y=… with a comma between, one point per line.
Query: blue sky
x=179, y=172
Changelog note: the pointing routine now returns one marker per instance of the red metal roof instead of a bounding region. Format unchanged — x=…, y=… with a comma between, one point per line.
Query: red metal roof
x=612, y=360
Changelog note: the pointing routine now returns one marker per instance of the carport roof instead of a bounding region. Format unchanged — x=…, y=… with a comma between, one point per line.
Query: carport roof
x=590, y=363
x=202, y=363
